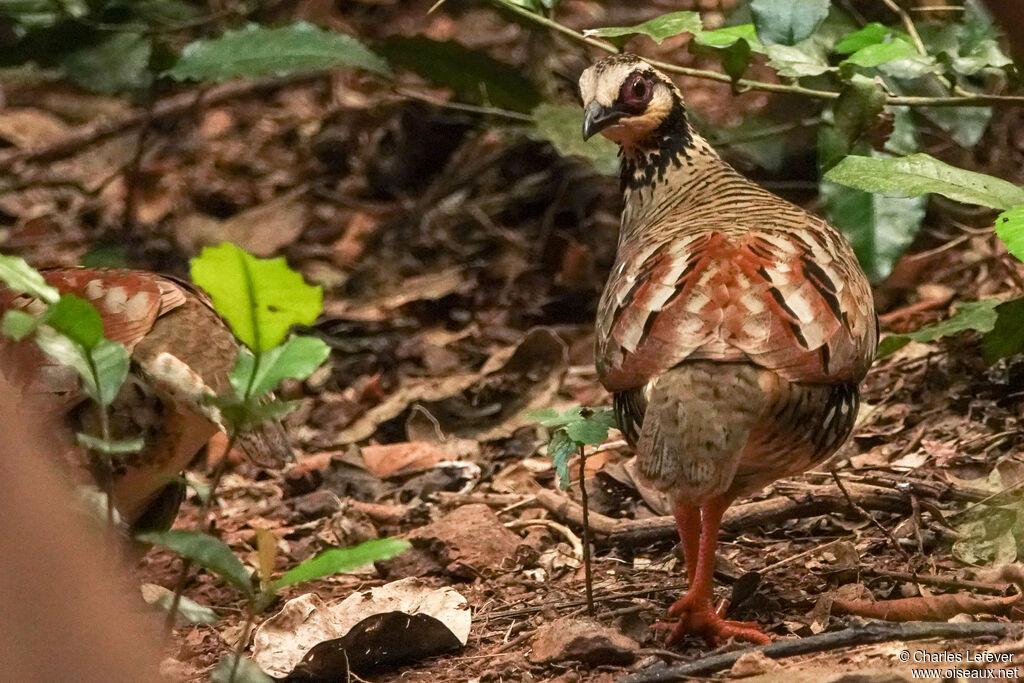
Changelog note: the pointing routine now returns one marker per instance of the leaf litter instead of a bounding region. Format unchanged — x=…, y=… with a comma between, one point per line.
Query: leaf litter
x=462, y=265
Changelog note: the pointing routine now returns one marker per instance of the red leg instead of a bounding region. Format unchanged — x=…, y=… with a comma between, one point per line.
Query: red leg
x=688, y=523
x=696, y=610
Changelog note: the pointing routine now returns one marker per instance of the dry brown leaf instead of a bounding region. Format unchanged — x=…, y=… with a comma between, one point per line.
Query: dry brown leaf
x=30, y=128
x=385, y=459
x=261, y=230
x=926, y=607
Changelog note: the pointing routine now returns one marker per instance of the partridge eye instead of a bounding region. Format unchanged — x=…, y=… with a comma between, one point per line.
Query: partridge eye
x=635, y=93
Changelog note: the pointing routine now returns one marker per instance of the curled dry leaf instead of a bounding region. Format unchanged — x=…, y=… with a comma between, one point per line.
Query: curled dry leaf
x=283, y=640
x=926, y=607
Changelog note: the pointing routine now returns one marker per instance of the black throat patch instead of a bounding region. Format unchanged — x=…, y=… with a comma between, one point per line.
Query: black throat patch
x=668, y=144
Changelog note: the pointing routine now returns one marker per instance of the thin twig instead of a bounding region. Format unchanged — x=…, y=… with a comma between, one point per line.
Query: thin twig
x=588, y=576
x=908, y=24
x=859, y=508
x=800, y=556
x=204, y=508
x=242, y=640
x=461, y=106
x=871, y=633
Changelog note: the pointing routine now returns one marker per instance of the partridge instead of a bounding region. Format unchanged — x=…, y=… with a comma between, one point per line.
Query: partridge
x=733, y=331
x=181, y=351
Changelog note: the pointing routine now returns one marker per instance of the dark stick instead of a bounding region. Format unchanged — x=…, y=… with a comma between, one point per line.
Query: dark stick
x=859, y=508
x=588, y=576
x=870, y=633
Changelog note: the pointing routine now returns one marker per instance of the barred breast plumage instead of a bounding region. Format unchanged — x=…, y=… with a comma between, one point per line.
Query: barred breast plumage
x=734, y=328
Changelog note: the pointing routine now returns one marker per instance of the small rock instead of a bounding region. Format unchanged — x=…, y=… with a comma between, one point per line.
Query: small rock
x=752, y=664
x=316, y=505
x=466, y=543
x=582, y=640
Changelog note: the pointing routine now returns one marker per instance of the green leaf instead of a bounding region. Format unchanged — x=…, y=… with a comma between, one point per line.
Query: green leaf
x=21, y=277
x=102, y=369
x=34, y=14
x=243, y=413
x=920, y=174
x=117, y=64
x=191, y=610
x=561, y=449
x=111, y=446
x=730, y=35
x=903, y=138
x=880, y=53
x=879, y=228
x=1007, y=337
x=206, y=551
x=860, y=102
x=247, y=671
x=1010, y=228
x=659, y=28
x=339, y=560
x=787, y=22
x=807, y=59
x=560, y=125
x=869, y=35
x=260, y=298
x=76, y=319
x=732, y=46
x=970, y=46
x=296, y=358
x=471, y=74
x=591, y=430
x=18, y=324
x=975, y=315
x=260, y=51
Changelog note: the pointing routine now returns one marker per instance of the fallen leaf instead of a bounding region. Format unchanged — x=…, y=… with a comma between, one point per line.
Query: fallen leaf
x=282, y=641
x=387, y=459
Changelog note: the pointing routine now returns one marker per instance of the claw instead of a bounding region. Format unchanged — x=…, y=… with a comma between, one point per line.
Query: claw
x=701, y=619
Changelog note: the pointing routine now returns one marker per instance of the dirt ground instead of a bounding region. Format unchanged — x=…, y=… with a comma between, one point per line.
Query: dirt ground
x=461, y=262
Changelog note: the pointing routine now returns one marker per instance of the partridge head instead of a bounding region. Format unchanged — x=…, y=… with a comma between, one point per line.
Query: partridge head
x=181, y=352
x=734, y=327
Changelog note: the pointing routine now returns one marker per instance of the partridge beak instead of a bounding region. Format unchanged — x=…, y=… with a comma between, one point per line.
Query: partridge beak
x=596, y=118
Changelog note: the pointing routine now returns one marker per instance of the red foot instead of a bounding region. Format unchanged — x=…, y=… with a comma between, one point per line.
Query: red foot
x=698, y=617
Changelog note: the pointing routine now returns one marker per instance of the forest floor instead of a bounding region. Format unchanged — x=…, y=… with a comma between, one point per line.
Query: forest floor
x=461, y=263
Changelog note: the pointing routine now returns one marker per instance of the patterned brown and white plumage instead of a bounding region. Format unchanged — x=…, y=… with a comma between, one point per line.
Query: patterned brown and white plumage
x=181, y=351
x=735, y=326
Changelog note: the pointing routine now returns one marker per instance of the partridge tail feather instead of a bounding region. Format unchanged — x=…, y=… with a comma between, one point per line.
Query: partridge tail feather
x=697, y=423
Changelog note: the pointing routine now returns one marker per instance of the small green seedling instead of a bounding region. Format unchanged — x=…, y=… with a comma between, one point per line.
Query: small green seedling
x=215, y=556
x=572, y=430
x=260, y=299
x=70, y=331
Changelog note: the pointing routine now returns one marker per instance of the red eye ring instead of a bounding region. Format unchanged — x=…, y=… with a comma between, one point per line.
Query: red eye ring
x=636, y=93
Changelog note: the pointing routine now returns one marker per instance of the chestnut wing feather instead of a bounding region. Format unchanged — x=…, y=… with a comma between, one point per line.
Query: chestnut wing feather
x=785, y=300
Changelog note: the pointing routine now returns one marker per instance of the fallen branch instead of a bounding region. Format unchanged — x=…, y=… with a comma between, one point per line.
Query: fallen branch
x=797, y=501
x=871, y=633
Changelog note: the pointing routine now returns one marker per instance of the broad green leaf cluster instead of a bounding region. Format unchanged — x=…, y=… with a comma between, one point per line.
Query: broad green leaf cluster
x=261, y=299
x=571, y=431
